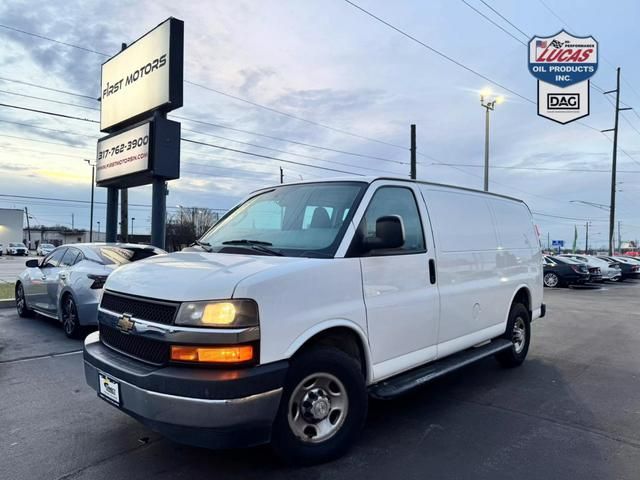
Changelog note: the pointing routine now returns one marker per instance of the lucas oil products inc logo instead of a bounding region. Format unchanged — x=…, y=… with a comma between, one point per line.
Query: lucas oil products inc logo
x=563, y=64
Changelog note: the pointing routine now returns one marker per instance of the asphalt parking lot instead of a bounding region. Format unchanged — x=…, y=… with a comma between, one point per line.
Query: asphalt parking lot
x=571, y=411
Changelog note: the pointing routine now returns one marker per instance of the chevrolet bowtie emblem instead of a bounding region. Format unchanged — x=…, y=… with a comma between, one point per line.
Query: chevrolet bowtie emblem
x=125, y=324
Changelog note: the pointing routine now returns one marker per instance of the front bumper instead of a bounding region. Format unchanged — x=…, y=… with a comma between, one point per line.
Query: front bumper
x=213, y=408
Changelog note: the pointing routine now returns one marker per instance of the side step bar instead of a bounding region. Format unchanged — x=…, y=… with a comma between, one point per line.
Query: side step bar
x=403, y=383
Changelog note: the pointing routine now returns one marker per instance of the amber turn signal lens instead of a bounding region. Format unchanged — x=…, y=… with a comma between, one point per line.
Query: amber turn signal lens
x=231, y=354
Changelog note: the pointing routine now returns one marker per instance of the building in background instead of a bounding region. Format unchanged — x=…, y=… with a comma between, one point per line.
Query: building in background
x=58, y=235
x=11, y=223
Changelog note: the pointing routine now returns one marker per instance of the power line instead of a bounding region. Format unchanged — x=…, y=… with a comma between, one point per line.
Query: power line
x=49, y=100
x=290, y=153
x=295, y=117
x=439, y=53
x=70, y=200
x=542, y=169
x=504, y=18
x=235, y=97
x=227, y=127
x=494, y=23
x=268, y=157
x=48, y=88
x=48, y=113
x=28, y=125
x=54, y=40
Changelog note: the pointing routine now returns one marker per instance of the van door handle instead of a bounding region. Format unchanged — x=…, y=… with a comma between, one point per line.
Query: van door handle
x=432, y=271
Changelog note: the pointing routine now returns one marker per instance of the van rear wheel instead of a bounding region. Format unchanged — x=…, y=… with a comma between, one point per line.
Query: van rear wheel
x=519, y=332
x=323, y=407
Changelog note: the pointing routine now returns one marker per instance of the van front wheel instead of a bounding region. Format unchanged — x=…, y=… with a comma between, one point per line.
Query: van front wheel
x=519, y=332
x=323, y=407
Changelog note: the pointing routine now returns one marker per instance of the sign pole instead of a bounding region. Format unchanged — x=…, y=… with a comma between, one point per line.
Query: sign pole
x=158, y=212
x=112, y=214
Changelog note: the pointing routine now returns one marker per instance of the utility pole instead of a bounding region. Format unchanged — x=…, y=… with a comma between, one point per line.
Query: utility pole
x=586, y=241
x=612, y=211
x=93, y=181
x=548, y=241
x=281, y=176
x=489, y=106
x=73, y=222
x=619, y=237
x=26, y=213
x=413, y=152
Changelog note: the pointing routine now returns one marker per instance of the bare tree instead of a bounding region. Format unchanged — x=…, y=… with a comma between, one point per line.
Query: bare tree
x=187, y=225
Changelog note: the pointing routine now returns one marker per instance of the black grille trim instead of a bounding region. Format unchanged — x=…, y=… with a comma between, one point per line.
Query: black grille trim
x=140, y=348
x=144, y=309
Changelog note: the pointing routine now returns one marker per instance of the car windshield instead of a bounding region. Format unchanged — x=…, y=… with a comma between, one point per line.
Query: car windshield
x=47, y=245
x=18, y=245
x=304, y=220
x=115, y=255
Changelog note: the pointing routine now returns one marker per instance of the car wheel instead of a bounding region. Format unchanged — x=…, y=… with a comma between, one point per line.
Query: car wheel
x=551, y=280
x=323, y=407
x=70, y=321
x=21, y=302
x=519, y=332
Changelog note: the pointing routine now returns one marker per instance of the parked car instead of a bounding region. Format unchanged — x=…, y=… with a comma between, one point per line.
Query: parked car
x=44, y=249
x=1, y=249
x=599, y=269
x=307, y=298
x=629, y=268
x=16, y=248
x=67, y=284
x=563, y=271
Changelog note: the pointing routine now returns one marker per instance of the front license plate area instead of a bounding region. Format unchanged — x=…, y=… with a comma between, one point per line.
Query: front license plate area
x=109, y=389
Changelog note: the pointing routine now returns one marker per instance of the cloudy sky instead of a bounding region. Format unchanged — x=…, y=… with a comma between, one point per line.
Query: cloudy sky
x=288, y=77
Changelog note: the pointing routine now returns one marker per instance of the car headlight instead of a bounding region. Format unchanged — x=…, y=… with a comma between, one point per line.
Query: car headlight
x=219, y=314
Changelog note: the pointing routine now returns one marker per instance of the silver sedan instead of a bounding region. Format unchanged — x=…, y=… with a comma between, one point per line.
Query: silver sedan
x=67, y=284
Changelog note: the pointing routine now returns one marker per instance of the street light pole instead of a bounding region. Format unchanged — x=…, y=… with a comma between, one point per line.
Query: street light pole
x=93, y=178
x=98, y=222
x=489, y=105
x=132, y=219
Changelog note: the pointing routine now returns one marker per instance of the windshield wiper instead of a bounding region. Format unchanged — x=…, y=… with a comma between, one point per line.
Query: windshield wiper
x=258, y=245
x=205, y=245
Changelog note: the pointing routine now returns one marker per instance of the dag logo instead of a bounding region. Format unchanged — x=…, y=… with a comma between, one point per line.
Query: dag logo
x=563, y=59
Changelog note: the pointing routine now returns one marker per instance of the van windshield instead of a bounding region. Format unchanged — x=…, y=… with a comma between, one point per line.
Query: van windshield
x=305, y=220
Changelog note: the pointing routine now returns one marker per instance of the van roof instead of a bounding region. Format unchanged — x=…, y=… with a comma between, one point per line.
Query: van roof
x=371, y=179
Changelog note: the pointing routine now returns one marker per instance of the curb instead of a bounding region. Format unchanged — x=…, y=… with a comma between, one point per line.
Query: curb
x=8, y=303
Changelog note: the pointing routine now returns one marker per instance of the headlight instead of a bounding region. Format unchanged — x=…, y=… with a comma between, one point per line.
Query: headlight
x=224, y=313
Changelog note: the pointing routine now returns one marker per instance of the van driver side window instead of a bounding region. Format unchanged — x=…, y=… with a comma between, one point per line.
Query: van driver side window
x=395, y=201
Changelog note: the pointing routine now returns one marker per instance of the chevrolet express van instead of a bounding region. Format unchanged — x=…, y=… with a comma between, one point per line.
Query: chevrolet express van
x=306, y=299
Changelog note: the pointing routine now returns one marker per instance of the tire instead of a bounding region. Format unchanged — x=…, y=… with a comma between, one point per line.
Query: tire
x=21, y=302
x=321, y=382
x=519, y=332
x=70, y=320
x=551, y=280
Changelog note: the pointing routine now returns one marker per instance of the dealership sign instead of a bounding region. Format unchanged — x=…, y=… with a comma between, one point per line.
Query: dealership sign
x=144, y=77
x=133, y=156
x=123, y=154
x=563, y=64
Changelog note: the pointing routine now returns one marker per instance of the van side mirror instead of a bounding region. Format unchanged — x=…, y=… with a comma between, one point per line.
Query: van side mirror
x=33, y=263
x=389, y=234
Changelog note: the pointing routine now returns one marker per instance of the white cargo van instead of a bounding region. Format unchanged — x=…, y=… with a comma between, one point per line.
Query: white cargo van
x=306, y=299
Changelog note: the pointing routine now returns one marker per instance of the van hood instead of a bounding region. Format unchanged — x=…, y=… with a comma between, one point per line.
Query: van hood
x=191, y=276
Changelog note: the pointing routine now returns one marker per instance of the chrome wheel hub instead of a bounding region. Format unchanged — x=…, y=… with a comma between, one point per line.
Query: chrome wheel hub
x=519, y=335
x=318, y=408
